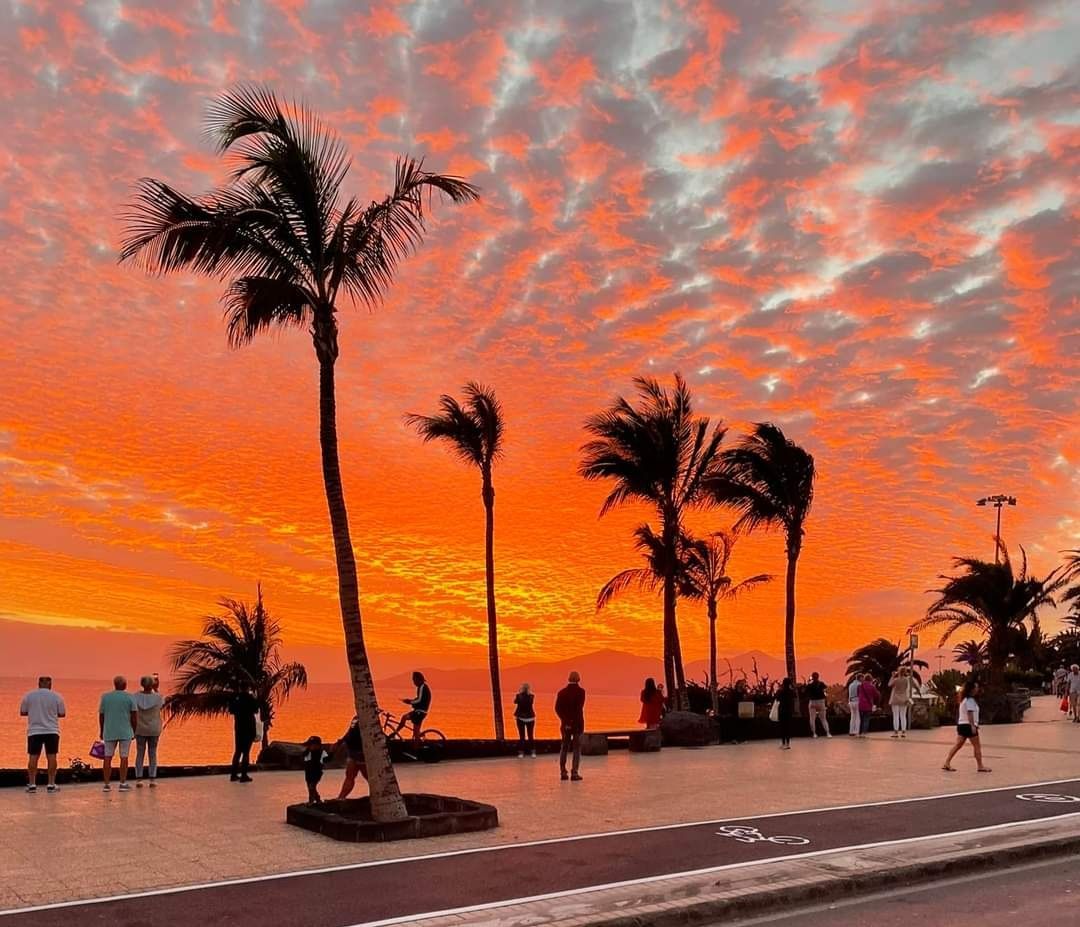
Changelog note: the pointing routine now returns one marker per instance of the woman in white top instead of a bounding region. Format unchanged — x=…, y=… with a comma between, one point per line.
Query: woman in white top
x=967, y=727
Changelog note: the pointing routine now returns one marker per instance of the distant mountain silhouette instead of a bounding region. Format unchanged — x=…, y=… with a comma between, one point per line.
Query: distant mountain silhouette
x=612, y=672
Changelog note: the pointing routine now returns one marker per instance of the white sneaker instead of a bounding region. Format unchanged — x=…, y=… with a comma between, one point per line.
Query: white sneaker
x=31, y=788
x=828, y=735
x=124, y=787
x=52, y=788
x=814, y=736
x=534, y=754
x=521, y=754
x=106, y=787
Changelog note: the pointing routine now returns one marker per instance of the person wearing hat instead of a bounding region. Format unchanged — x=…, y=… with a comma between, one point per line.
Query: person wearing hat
x=570, y=707
x=314, y=758
x=1072, y=686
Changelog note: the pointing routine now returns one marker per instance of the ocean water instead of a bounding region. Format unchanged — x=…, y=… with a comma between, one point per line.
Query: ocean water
x=324, y=709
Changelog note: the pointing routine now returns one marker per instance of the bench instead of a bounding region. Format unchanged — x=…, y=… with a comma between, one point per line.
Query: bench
x=596, y=743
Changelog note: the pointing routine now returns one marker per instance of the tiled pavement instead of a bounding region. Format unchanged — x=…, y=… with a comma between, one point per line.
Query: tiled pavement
x=83, y=843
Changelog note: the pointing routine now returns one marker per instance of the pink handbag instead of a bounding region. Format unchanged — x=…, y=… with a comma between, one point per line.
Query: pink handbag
x=97, y=750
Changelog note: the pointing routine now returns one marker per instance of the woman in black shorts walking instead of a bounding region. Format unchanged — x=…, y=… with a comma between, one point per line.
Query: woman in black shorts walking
x=967, y=727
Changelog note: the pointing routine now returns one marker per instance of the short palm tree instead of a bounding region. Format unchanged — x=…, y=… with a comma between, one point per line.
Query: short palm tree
x=649, y=578
x=704, y=578
x=238, y=652
x=289, y=245
x=473, y=430
x=769, y=481
x=973, y=653
x=882, y=659
x=656, y=451
x=994, y=600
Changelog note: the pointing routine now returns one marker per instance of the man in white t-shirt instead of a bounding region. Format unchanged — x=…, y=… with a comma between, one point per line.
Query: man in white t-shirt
x=43, y=710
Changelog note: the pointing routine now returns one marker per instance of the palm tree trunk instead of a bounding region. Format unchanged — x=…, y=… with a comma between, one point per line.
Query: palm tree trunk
x=673, y=670
x=386, y=801
x=712, y=657
x=493, y=625
x=789, y=619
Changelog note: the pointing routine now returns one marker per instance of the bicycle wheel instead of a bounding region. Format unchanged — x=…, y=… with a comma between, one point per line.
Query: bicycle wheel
x=786, y=841
x=430, y=735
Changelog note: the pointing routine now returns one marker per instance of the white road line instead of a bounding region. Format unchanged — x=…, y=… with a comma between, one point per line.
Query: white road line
x=491, y=905
x=345, y=867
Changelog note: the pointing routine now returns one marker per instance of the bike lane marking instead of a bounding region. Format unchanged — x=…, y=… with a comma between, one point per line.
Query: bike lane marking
x=225, y=883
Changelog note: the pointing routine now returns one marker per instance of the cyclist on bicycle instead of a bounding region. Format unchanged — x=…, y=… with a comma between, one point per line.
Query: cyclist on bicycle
x=421, y=704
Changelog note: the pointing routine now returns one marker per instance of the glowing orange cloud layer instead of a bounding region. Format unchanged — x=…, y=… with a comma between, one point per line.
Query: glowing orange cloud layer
x=859, y=223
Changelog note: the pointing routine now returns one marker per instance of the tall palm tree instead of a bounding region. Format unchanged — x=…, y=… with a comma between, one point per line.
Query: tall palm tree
x=288, y=244
x=705, y=579
x=238, y=652
x=474, y=433
x=769, y=481
x=971, y=652
x=656, y=451
x=1071, y=574
x=882, y=659
x=994, y=600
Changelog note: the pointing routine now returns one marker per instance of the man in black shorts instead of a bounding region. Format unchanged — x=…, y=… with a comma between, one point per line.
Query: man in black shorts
x=43, y=710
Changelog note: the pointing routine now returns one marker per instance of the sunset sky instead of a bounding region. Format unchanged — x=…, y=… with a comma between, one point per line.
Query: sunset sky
x=856, y=219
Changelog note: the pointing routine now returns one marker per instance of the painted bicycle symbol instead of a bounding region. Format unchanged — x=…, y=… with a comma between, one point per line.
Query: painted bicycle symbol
x=746, y=834
x=1051, y=798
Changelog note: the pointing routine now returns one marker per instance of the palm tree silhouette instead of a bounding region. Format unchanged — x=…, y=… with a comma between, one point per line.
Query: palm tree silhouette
x=882, y=659
x=704, y=578
x=769, y=481
x=973, y=653
x=238, y=651
x=994, y=600
x=1071, y=574
x=649, y=578
x=474, y=433
x=280, y=234
x=657, y=452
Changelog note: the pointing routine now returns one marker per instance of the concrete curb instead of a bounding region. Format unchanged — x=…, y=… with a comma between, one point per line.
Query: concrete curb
x=831, y=888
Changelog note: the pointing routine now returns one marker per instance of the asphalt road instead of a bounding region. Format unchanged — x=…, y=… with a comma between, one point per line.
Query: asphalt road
x=366, y=893
x=1043, y=893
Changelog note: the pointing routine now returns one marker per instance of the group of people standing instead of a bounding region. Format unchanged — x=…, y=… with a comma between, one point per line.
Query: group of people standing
x=122, y=718
x=864, y=696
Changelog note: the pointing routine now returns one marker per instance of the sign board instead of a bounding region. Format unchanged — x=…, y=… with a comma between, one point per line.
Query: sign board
x=746, y=709
x=913, y=642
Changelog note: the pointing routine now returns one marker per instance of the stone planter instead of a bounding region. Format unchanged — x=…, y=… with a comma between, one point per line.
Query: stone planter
x=429, y=816
x=645, y=741
x=686, y=729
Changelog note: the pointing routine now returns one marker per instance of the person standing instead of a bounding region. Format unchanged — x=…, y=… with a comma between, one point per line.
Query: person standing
x=652, y=705
x=1072, y=687
x=570, y=708
x=967, y=727
x=148, y=704
x=853, y=705
x=1059, y=680
x=243, y=707
x=117, y=717
x=43, y=710
x=785, y=703
x=900, y=700
x=818, y=705
x=354, y=751
x=525, y=718
x=868, y=698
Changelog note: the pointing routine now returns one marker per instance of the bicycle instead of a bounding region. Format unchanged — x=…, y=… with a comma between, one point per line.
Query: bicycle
x=429, y=742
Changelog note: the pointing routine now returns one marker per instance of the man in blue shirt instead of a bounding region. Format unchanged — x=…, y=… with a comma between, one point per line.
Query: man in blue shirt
x=117, y=715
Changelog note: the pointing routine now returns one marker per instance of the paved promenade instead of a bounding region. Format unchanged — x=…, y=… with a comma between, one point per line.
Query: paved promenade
x=83, y=843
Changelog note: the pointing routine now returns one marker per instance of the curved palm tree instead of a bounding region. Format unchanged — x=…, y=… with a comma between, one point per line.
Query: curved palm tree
x=994, y=600
x=769, y=481
x=649, y=578
x=238, y=652
x=973, y=653
x=289, y=245
x=882, y=659
x=658, y=452
x=705, y=579
x=474, y=433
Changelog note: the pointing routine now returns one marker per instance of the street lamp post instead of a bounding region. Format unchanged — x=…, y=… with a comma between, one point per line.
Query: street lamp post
x=998, y=501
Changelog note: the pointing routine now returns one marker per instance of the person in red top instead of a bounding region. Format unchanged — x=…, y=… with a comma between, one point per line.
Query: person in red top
x=652, y=705
x=570, y=707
